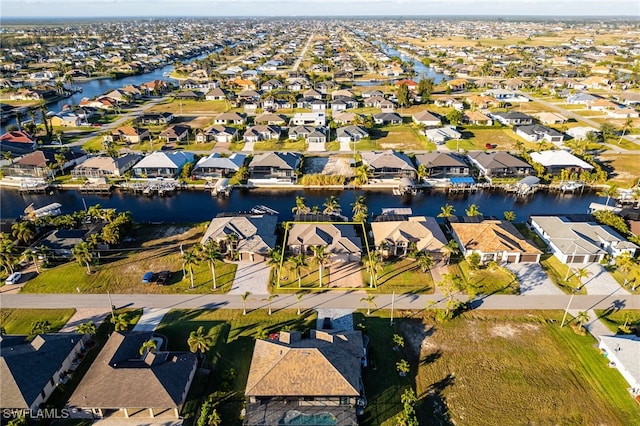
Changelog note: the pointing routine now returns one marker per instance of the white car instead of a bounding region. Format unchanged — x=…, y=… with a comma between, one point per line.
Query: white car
x=13, y=278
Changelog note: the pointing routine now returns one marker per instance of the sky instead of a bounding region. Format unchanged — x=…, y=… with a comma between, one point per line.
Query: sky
x=124, y=8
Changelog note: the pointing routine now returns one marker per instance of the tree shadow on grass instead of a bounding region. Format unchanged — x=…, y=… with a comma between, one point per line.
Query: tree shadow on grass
x=432, y=407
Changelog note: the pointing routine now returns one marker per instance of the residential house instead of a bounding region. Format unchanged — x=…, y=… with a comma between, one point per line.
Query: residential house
x=43, y=163
x=121, y=382
x=385, y=118
x=271, y=84
x=340, y=241
x=215, y=94
x=458, y=84
x=550, y=118
x=499, y=164
x=441, y=165
x=482, y=102
x=449, y=103
x=312, y=93
x=60, y=242
x=343, y=118
x=427, y=119
x=155, y=118
x=309, y=119
x=216, y=166
x=513, y=118
x=493, y=239
x=274, y=167
x=556, y=161
x=342, y=93
x=66, y=120
x=244, y=84
x=411, y=85
x=317, y=105
x=372, y=93
x=255, y=235
x=104, y=166
x=399, y=234
x=581, y=133
x=155, y=87
x=577, y=240
x=270, y=118
x=192, y=95
x=389, y=164
x=581, y=98
x=32, y=368
x=227, y=118
x=217, y=133
x=176, y=133
x=351, y=134
x=342, y=104
x=538, y=132
x=503, y=95
x=17, y=142
x=621, y=351
x=291, y=377
x=128, y=134
x=262, y=133
x=442, y=134
x=249, y=95
x=162, y=164
x=308, y=133
x=476, y=118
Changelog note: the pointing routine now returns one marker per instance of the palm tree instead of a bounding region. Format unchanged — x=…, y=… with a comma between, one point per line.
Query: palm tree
x=363, y=174
x=422, y=172
x=39, y=327
x=23, y=231
x=299, y=297
x=319, y=258
x=199, y=342
x=275, y=259
x=300, y=207
x=87, y=328
x=510, y=216
x=120, y=322
x=359, y=209
x=582, y=273
x=370, y=301
x=189, y=260
x=373, y=263
x=582, y=317
x=297, y=263
x=628, y=125
x=232, y=240
x=448, y=250
x=83, y=255
x=425, y=261
x=331, y=205
x=611, y=191
x=211, y=253
x=269, y=300
x=446, y=211
x=398, y=342
x=148, y=346
x=473, y=210
x=244, y=297
x=31, y=256
x=403, y=367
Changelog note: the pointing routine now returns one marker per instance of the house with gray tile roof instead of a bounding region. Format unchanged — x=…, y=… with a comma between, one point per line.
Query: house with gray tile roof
x=340, y=241
x=256, y=235
x=217, y=166
x=538, y=132
x=389, y=164
x=274, y=167
x=499, y=164
x=31, y=369
x=443, y=164
x=162, y=164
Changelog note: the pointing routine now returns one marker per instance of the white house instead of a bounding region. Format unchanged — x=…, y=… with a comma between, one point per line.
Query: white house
x=309, y=118
x=623, y=353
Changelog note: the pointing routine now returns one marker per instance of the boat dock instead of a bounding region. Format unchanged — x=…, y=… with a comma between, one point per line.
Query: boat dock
x=36, y=187
x=98, y=187
x=160, y=187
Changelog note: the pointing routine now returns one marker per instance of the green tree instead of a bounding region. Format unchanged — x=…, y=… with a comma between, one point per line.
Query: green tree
x=87, y=328
x=23, y=231
x=363, y=174
x=269, y=300
x=627, y=127
x=403, y=367
x=509, y=215
x=398, y=342
x=275, y=259
x=611, y=191
x=359, y=209
x=373, y=263
x=297, y=262
x=299, y=297
x=607, y=131
x=82, y=255
x=148, y=346
x=231, y=242
x=244, y=296
x=211, y=254
x=189, y=260
x=300, y=207
x=331, y=205
x=199, y=342
x=454, y=117
x=474, y=261
x=320, y=257
x=446, y=211
x=473, y=210
x=40, y=327
x=369, y=300
x=31, y=256
x=425, y=261
x=582, y=317
x=121, y=322
x=448, y=250
x=403, y=95
x=425, y=88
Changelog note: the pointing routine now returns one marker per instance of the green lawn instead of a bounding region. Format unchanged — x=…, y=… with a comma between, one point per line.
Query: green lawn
x=487, y=281
x=615, y=318
x=477, y=137
x=309, y=277
x=557, y=271
x=399, y=137
x=402, y=276
x=20, y=321
x=187, y=106
x=281, y=145
x=230, y=355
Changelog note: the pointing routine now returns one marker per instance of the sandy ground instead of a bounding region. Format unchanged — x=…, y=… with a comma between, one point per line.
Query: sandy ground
x=329, y=166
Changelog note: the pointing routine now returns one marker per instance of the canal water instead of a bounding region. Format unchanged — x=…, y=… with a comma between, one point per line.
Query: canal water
x=420, y=68
x=199, y=206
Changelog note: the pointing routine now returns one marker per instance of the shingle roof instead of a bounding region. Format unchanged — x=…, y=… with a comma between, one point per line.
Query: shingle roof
x=390, y=159
x=425, y=231
x=282, y=160
x=490, y=235
x=440, y=159
x=256, y=233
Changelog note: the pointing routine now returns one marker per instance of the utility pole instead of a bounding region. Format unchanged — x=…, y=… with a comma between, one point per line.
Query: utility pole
x=393, y=299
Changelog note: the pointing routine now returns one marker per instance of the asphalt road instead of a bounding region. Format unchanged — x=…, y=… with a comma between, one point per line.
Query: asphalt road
x=334, y=300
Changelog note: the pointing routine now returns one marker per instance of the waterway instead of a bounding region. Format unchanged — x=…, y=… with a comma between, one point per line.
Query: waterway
x=199, y=206
x=420, y=68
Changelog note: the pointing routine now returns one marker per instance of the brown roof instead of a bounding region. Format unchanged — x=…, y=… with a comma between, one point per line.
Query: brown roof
x=424, y=231
x=492, y=235
x=327, y=365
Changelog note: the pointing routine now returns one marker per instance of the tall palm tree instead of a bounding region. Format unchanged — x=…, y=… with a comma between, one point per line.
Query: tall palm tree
x=422, y=172
x=582, y=273
x=373, y=263
x=269, y=300
x=23, y=231
x=370, y=301
x=189, y=260
x=199, y=342
x=448, y=250
x=148, y=346
x=331, y=205
x=31, y=256
x=446, y=211
x=611, y=191
x=275, y=259
x=319, y=258
x=232, y=241
x=83, y=255
x=363, y=174
x=211, y=253
x=473, y=210
x=509, y=215
x=297, y=263
x=300, y=207
x=359, y=209
x=425, y=261
x=244, y=297
x=582, y=317
x=403, y=367
x=299, y=297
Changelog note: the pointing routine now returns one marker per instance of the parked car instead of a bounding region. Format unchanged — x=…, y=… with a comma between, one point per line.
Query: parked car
x=148, y=277
x=13, y=278
x=163, y=277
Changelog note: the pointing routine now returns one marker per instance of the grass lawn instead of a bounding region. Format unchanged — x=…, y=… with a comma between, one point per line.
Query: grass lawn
x=485, y=281
x=155, y=249
x=94, y=144
x=309, y=278
x=557, y=271
x=613, y=319
x=20, y=321
x=402, y=276
x=626, y=168
x=230, y=355
x=282, y=145
x=517, y=368
x=477, y=137
x=398, y=137
x=187, y=106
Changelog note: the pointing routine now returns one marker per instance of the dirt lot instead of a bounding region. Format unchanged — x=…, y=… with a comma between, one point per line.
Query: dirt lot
x=328, y=166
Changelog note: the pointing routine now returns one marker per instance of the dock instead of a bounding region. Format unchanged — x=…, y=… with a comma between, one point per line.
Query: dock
x=97, y=187
x=37, y=187
x=161, y=187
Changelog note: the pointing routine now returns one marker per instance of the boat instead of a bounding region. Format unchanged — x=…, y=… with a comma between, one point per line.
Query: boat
x=571, y=186
x=53, y=209
x=261, y=209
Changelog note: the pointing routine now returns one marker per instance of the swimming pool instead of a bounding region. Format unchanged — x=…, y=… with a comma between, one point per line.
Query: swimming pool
x=296, y=418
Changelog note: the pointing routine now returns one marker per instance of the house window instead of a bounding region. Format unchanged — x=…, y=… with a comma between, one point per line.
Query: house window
x=344, y=400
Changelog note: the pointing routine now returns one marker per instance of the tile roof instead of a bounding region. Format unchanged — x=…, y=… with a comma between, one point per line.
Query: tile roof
x=491, y=235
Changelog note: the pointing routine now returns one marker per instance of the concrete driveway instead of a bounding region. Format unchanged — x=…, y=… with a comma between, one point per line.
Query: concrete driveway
x=601, y=282
x=251, y=277
x=533, y=280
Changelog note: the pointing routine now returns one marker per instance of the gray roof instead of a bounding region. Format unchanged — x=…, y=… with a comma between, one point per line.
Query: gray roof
x=538, y=129
x=256, y=233
x=440, y=159
x=335, y=237
x=27, y=366
x=215, y=160
x=387, y=116
x=281, y=160
x=626, y=350
x=350, y=131
x=120, y=377
x=496, y=160
x=389, y=159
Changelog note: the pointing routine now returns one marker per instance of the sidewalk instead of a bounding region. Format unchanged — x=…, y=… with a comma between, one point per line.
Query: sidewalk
x=150, y=319
x=594, y=325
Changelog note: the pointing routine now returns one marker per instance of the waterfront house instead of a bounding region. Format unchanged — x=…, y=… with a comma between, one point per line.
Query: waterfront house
x=128, y=134
x=309, y=119
x=104, y=166
x=513, y=118
x=43, y=163
x=155, y=118
x=499, y=164
x=32, y=368
x=556, y=161
x=538, y=132
x=66, y=120
x=217, y=133
x=385, y=118
x=440, y=165
x=17, y=142
x=175, y=133
x=389, y=164
x=442, y=134
x=274, y=167
x=291, y=377
x=162, y=164
x=262, y=133
x=622, y=353
x=227, y=118
x=254, y=235
x=216, y=166
x=399, y=233
x=576, y=240
x=426, y=119
x=493, y=239
x=121, y=382
x=340, y=241
x=310, y=134
x=60, y=242
x=351, y=134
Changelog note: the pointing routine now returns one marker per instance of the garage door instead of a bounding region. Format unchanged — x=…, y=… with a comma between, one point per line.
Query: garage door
x=529, y=258
x=512, y=258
